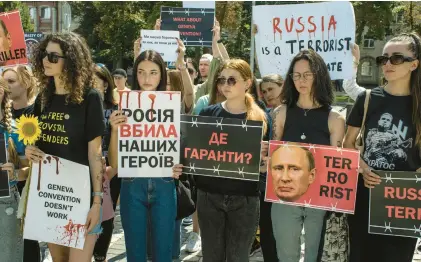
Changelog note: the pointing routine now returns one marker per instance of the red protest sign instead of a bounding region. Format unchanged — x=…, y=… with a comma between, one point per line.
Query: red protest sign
x=12, y=40
x=316, y=176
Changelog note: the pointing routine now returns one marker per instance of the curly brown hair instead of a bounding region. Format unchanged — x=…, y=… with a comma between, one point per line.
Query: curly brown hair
x=6, y=108
x=77, y=72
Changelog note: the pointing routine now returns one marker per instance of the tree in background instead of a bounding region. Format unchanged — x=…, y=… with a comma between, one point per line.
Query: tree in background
x=24, y=13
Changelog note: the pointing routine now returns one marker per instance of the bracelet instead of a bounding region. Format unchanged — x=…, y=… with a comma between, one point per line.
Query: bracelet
x=98, y=203
x=219, y=41
x=100, y=194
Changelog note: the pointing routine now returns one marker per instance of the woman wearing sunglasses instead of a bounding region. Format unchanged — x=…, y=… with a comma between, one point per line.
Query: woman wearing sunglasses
x=11, y=242
x=228, y=209
x=395, y=106
x=305, y=116
x=63, y=65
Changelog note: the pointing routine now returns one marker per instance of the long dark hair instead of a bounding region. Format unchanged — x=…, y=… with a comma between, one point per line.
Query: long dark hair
x=414, y=45
x=321, y=91
x=155, y=57
x=77, y=72
x=102, y=72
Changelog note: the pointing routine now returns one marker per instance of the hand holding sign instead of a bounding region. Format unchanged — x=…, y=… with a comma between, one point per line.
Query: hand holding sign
x=93, y=218
x=370, y=178
x=177, y=170
x=34, y=154
x=10, y=168
x=117, y=118
x=355, y=52
x=136, y=47
x=158, y=24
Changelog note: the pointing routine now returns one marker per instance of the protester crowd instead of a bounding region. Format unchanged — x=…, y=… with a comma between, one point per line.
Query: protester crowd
x=63, y=78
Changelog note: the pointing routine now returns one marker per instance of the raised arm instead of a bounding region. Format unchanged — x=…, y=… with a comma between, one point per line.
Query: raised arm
x=187, y=83
x=350, y=86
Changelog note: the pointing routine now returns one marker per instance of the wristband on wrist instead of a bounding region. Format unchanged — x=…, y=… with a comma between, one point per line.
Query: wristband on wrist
x=100, y=194
x=219, y=41
x=96, y=203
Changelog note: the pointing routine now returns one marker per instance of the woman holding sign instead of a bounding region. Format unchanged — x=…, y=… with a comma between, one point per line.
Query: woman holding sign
x=144, y=197
x=228, y=209
x=391, y=137
x=306, y=116
x=11, y=242
x=64, y=67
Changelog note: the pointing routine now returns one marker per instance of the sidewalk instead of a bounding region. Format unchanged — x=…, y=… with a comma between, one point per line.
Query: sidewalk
x=117, y=250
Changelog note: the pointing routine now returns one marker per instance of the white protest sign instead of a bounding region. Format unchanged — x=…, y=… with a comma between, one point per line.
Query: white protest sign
x=199, y=4
x=161, y=41
x=58, y=202
x=149, y=144
x=283, y=30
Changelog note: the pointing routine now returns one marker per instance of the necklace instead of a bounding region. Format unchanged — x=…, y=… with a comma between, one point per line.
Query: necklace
x=303, y=136
x=305, y=110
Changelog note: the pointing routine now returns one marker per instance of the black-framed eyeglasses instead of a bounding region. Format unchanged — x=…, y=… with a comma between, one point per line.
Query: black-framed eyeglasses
x=306, y=76
x=52, y=57
x=230, y=81
x=394, y=59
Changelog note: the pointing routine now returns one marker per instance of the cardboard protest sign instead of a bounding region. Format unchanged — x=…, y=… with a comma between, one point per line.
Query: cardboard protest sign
x=194, y=24
x=316, y=176
x=4, y=177
x=199, y=4
x=12, y=40
x=149, y=143
x=215, y=146
x=163, y=42
x=328, y=28
x=32, y=40
x=58, y=203
x=395, y=206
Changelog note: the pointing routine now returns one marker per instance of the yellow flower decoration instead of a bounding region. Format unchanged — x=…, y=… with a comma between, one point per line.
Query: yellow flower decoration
x=28, y=129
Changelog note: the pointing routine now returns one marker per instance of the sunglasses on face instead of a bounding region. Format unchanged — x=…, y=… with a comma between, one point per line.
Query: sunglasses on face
x=394, y=59
x=222, y=81
x=52, y=57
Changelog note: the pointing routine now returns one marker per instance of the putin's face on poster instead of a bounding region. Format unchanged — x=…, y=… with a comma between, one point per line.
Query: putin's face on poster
x=293, y=171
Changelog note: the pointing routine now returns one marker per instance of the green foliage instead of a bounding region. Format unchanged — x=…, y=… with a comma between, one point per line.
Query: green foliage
x=376, y=16
x=24, y=13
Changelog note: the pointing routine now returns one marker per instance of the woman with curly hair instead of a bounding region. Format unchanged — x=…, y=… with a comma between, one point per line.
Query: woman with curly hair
x=111, y=183
x=22, y=85
x=11, y=242
x=69, y=103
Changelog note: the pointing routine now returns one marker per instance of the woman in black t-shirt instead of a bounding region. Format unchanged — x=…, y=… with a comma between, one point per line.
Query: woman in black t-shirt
x=392, y=137
x=64, y=68
x=228, y=209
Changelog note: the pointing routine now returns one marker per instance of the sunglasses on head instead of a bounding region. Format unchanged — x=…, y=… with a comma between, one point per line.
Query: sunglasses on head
x=394, y=59
x=222, y=81
x=52, y=57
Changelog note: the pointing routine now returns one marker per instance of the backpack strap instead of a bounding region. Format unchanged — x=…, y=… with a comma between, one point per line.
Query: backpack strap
x=366, y=103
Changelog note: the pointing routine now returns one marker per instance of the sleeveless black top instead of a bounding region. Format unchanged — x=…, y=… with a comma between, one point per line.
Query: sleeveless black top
x=307, y=126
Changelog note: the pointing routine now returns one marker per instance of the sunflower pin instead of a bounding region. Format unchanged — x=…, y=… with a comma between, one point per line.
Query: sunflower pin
x=28, y=129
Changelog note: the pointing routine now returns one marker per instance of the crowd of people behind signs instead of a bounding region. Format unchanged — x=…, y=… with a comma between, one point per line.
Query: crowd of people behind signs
x=63, y=78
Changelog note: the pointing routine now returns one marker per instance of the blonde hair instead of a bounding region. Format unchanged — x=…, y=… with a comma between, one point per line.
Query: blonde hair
x=26, y=79
x=254, y=112
x=6, y=107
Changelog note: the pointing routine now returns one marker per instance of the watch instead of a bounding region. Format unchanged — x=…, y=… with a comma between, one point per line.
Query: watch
x=100, y=194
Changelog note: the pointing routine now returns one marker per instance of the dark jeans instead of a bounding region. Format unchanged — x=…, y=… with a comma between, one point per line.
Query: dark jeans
x=115, y=186
x=228, y=226
x=367, y=247
x=104, y=240
x=267, y=240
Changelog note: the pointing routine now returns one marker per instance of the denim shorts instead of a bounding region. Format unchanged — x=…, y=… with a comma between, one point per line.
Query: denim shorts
x=98, y=228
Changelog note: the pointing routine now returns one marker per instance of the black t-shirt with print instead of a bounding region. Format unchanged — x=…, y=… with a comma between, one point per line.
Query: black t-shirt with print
x=17, y=113
x=389, y=137
x=226, y=186
x=107, y=131
x=67, y=129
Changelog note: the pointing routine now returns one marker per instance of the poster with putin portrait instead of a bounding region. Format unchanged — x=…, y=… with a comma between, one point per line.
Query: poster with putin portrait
x=12, y=40
x=313, y=176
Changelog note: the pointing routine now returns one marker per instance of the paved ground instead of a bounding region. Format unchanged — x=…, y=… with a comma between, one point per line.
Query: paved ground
x=117, y=250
